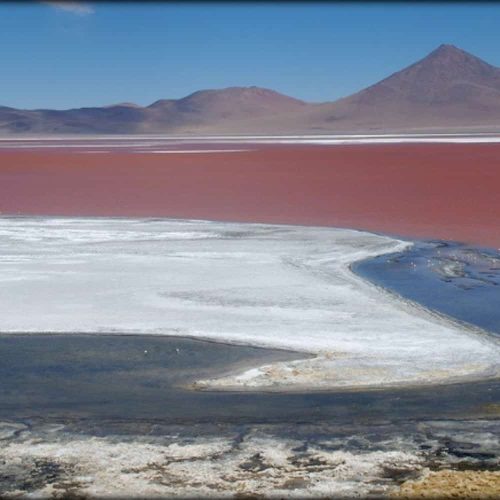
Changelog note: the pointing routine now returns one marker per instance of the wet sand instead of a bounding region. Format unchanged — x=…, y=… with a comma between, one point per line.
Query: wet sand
x=445, y=191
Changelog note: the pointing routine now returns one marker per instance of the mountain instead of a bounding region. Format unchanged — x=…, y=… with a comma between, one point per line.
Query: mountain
x=449, y=89
x=220, y=108
x=104, y=120
x=205, y=108
x=447, y=75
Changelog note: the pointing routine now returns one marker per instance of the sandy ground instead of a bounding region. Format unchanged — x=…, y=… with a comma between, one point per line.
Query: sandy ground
x=448, y=484
x=448, y=191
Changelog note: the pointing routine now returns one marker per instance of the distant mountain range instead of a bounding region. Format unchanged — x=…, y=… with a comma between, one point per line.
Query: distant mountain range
x=449, y=89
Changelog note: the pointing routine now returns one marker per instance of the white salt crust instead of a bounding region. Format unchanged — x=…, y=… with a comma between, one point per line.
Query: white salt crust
x=273, y=286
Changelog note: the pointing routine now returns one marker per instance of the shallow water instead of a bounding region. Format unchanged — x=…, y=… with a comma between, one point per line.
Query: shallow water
x=94, y=416
x=126, y=378
x=455, y=279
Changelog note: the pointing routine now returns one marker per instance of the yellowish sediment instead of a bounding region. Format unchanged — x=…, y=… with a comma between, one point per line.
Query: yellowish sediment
x=446, y=484
x=491, y=409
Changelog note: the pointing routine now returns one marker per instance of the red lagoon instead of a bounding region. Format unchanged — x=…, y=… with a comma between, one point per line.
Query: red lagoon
x=446, y=191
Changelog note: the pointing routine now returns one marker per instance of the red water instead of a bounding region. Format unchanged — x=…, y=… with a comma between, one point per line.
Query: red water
x=448, y=191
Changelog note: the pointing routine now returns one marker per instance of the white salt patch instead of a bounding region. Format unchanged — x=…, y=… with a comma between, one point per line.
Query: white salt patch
x=260, y=465
x=273, y=286
x=10, y=429
x=192, y=151
x=159, y=142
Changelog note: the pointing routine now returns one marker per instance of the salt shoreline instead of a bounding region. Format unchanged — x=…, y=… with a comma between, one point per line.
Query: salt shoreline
x=224, y=385
x=262, y=285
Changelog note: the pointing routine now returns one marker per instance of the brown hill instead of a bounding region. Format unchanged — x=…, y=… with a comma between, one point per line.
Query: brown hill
x=447, y=90
x=201, y=109
x=218, y=108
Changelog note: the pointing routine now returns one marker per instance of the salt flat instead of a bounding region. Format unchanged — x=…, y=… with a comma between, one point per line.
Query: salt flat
x=154, y=140
x=268, y=285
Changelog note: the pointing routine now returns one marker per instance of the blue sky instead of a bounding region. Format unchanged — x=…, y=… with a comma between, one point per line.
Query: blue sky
x=86, y=54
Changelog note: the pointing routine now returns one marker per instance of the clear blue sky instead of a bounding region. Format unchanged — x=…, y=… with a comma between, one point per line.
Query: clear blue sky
x=98, y=53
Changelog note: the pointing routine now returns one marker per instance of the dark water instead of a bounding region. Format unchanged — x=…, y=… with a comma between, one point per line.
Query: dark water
x=112, y=378
x=454, y=279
